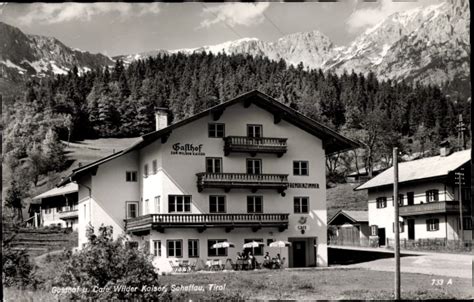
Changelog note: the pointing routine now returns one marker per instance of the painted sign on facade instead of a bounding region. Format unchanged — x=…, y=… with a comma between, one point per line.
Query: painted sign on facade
x=298, y=185
x=187, y=149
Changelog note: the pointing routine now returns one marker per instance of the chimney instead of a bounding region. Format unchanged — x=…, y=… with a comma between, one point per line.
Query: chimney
x=444, y=148
x=161, y=118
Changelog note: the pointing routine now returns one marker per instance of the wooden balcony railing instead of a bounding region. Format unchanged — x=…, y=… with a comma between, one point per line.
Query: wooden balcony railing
x=254, y=145
x=449, y=206
x=254, y=182
x=68, y=212
x=203, y=221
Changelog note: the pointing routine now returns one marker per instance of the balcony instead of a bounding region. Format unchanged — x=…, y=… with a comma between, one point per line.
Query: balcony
x=254, y=182
x=68, y=212
x=254, y=145
x=449, y=207
x=144, y=224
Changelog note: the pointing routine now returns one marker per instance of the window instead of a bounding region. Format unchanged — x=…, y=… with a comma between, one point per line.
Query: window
x=400, y=224
x=300, y=168
x=146, y=206
x=154, y=166
x=157, y=248
x=301, y=204
x=216, y=130
x=257, y=251
x=254, y=130
x=466, y=194
x=85, y=211
x=381, y=202
x=432, y=195
x=145, y=170
x=254, y=166
x=374, y=230
x=157, y=204
x=131, y=176
x=217, y=204
x=254, y=204
x=132, y=209
x=179, y=203
x=175, y=248
x=467, y=223
x=193, y=248
x=221, y=252
x=432, y=224
x=214, y=165
x=400, y=200
x=410, y=198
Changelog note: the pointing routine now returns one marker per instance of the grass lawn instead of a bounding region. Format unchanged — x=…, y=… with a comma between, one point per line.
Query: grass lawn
x=343, y=196
x=324, y=284
x=305, y=284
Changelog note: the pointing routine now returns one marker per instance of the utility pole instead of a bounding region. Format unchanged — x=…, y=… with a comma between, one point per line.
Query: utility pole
x=461, y=127
x=460, y=182
x=396, y=224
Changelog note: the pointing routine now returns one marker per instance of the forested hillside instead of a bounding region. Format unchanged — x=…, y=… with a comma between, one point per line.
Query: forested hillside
x=120, y=102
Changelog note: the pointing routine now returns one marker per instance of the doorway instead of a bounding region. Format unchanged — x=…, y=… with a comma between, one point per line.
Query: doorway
x=411, y=229
x=381, y=236
x=299, y=253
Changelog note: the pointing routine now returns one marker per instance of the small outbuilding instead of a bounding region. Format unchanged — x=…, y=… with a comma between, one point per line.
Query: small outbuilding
x=349, y=228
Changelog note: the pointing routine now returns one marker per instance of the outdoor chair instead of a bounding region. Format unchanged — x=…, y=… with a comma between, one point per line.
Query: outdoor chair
x=208, y=266
x=174, y=266
x=184, y=266
x=192, y=266
x=216, y=265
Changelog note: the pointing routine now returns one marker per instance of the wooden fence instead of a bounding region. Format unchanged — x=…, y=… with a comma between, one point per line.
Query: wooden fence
x=434, y=244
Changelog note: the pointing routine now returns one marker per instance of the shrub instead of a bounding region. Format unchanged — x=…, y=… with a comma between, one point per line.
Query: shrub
x=108, y=270
x=16, y=266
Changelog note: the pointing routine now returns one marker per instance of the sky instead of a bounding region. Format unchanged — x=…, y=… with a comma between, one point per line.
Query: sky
x=127, y=28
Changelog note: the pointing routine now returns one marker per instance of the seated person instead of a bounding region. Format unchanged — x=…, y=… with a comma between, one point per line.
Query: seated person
x=267, y=261
x=277, y=261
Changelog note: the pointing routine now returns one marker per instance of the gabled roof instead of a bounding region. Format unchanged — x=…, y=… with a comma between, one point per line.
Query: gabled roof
x=66, y=189
x=420, y=169
x=332, y=141
x=354, y=216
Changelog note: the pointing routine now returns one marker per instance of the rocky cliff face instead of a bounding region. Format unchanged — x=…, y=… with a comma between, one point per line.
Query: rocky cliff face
x=23, y=56
x=428, y=45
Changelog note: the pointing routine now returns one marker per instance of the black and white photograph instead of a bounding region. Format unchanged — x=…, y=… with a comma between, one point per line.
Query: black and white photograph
x=281, y=150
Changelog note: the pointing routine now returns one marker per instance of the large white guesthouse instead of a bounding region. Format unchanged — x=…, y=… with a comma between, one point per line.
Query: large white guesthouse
x=247, y=169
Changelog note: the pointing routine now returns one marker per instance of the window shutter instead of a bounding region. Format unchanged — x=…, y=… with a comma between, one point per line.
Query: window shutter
x=427, y=196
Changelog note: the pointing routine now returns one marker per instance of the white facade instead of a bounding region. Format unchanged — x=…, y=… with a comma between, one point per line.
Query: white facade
x=106, y=191
x=447, y=222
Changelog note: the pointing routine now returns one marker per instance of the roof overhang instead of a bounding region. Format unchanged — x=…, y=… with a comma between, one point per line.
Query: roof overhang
x=333, y=142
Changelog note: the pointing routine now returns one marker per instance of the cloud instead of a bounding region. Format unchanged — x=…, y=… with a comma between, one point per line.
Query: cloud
x=235, y=14
x=64, y=12
x=361, y=18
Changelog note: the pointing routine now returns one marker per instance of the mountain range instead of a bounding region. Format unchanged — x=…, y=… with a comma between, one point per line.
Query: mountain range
x=429, y=45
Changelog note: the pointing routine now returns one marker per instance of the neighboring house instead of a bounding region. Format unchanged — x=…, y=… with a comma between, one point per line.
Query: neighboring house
x=56, y=207
x=428, y=196
x=362, y=175
x=349, y=228
x=247, y=169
